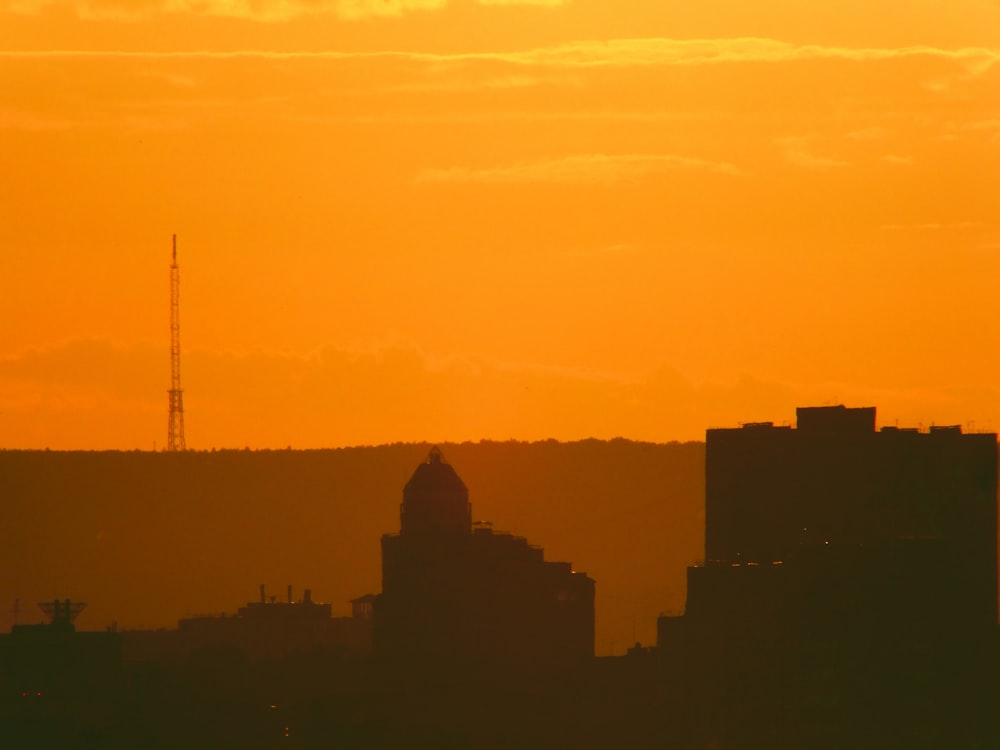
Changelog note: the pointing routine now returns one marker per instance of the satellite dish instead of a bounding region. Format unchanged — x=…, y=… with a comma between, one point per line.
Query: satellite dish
x=62, y=612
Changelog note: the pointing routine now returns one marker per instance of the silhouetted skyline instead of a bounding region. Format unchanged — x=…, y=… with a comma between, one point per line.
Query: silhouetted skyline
x=848, y=587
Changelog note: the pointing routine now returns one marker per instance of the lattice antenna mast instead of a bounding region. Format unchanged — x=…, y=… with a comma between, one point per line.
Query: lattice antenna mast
x=175, y=423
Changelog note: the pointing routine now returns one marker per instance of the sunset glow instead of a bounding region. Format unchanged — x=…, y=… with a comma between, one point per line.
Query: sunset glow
x=454, y=220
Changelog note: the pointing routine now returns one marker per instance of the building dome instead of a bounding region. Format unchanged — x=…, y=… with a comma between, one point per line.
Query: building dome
x=435, y=500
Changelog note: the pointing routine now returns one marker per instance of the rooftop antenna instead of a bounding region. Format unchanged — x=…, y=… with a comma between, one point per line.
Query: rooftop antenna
x=175, y=421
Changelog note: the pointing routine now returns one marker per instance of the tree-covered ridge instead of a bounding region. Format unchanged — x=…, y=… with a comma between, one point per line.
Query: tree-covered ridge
x=147, y=538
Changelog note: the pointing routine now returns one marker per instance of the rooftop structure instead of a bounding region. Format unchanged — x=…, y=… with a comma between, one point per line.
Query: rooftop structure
x=62, y=613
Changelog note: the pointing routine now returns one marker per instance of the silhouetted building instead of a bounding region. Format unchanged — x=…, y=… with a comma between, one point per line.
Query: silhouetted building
x=849, y=588
x=454, y=591
x=267, y=628
x=836, y=484
x=56, y=680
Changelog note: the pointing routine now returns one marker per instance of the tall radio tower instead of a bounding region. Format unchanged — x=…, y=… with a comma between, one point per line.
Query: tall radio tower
x=175, y=423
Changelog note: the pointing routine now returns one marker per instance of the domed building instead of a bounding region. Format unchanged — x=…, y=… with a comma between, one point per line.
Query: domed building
x=458, y=592
x=435, y=500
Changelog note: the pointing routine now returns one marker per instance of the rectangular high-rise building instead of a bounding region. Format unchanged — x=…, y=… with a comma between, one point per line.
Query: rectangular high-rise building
x=774, y=494
x=848, y=596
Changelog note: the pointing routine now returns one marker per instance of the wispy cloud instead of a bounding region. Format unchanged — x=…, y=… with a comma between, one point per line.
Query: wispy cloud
x=960, y=131
x=897, y=160
x=867, y=134
x=658, y=51
x=581, y=54
x=170, y=79
x=594, y=169
x=498, y=83
x=543, y=3
x=354, y=9
x=31, y=122
x=272, y=10
x=796, y=150
x=801, y=158
x=617, y=250
x=933, y=226
x=987, y=126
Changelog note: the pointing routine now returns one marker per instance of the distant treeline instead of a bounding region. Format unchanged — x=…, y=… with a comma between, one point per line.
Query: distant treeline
x=146, y=538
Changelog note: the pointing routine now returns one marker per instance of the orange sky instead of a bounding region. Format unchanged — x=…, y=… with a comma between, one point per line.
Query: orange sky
x=461, y=219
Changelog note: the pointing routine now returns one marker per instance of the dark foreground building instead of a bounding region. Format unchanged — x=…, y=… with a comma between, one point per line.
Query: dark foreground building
x=58, y=686
x=848, y=595
x=454, y=592
x=266, y=629
x=835, y=484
